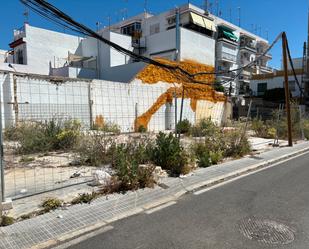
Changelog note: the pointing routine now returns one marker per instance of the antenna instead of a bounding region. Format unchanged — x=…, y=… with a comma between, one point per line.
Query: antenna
x=124, y=13
x=217, y=7
x=26, y=15
x=267, y=34
x=109, y=22
x=145, y=6
x=206, y=4
x=98, y=24
x=239, y=16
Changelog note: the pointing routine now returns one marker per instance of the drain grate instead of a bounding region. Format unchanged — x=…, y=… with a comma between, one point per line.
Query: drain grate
x=266, y=231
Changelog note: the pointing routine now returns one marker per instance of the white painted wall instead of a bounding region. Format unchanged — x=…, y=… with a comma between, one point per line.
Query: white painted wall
x=198, y=47
x=160, y=42
x=276, y=82
x=41, y=99
x=2, y=55
x=44, y=46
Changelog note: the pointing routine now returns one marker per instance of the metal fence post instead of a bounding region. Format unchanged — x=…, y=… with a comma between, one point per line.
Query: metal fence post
x=90, y=106
x=2, y=186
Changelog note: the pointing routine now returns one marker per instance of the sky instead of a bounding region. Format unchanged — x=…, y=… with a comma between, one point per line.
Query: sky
x=263, y=17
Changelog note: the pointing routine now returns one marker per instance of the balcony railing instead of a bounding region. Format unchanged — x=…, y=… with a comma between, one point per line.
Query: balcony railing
x=227, y=57
x=248, y=46
x=19, y=33
x=225, y=39
x=267, y=69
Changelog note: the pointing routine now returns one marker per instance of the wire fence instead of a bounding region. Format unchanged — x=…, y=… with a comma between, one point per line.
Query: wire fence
x=40, y=116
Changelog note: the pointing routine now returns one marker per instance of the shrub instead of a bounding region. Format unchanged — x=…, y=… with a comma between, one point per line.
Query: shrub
x=215, y=157
x=108, y=127
x=219, y=88
x=169, y=154
x=142, y=129
x=95, y=148
x=183, y=127
x=6, y=221
x=85, y=198
x=51, y=204
x=204, y=128
x=237, y=144
x=306, y=128
x=201, y=152
x=52, y=135
x=263, y=129
x=127, y=160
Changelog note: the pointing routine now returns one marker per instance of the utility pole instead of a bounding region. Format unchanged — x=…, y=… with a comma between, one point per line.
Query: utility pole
x=287, y=90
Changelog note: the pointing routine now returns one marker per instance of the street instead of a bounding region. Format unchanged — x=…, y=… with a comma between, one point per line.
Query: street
x=269, y=209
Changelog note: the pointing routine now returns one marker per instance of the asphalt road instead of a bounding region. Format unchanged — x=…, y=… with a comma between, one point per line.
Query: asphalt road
x=269, y=209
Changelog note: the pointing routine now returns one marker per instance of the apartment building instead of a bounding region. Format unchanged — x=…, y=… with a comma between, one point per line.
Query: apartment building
x=185, y=33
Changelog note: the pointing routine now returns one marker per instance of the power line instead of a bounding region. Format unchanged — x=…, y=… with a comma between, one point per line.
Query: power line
x=54, y=14
x=293, y=69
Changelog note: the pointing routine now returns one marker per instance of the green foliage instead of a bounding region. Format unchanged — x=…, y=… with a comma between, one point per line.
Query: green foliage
x=169, y=154
x=205, y=157
x=183, y=127
x=41, y=137
x=95, y=148
x=127, y=160
x=85, y=198
x=108, y=127
x=236, y=144
x=142, y=129
x=204, y=160
x=26, y=159
x=215, y=157
x=263, y=129
x=306, y=128
x=51, y=204
x=219, y=88
x=204, y=128
x=6, y=221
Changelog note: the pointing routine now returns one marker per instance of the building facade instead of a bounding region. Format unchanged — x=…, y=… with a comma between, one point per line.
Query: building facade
x=185, y=33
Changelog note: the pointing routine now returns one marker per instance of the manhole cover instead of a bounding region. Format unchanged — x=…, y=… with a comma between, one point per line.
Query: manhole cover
x=266, y=231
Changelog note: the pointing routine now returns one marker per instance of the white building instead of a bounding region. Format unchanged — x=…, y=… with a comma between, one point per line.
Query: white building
x=191, y=35
x=263, y=82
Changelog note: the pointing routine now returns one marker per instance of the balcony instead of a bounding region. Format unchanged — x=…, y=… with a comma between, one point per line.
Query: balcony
x=266, y=69
x=226, y=52
x=19, y=33
x=223, y=56
x=226, y=40
x=248, y=44
x=248, y=47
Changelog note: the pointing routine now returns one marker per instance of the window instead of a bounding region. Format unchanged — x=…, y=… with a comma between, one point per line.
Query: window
x=19, y=57
x=261, y=89
x=154, y=28
x=131, y=28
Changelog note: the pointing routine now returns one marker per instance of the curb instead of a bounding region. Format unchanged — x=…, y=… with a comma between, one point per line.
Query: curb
x=91, y=228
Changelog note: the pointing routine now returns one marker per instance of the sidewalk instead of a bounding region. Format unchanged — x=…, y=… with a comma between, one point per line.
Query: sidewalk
x=48, y=230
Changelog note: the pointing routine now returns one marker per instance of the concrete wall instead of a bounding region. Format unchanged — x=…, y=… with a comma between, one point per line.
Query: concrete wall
x=41, y=99
x=45, y=46
x=74, y=72
x=159, y=44
x=198, y=47
x=124, y=73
